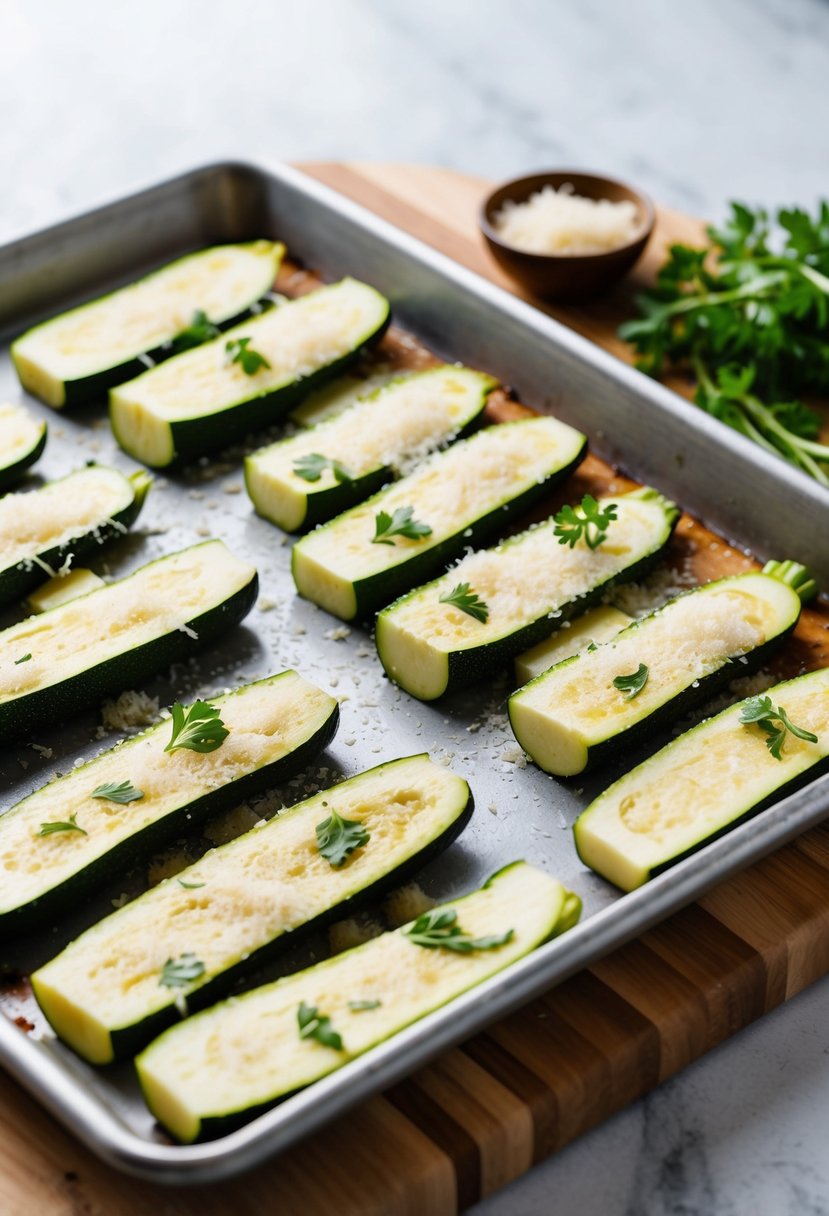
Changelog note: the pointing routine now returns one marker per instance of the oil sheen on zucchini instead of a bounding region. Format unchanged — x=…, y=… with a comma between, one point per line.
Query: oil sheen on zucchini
x=116, y=637
x=64, y=521
x=529, y=584
x=276, y=726
x=22, y=440
x=77, y=356
x=103, y=994
x=365, y=446
x=221, y=1068
x=573, y=716
x=702, y=784
x=206, y=399
x=464, y=494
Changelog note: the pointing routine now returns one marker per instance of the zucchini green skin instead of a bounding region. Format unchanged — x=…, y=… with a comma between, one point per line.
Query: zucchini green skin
x=127, y=1040
x=191, y=438
x=95, y=386
x=683, y=702
x=10, y=474
x=471, y=664
x=17, y=581
x=190, y=816
x=737, y=808
x=210, y=1125
x=338, y=497
x=378, y=590
x=23, y=714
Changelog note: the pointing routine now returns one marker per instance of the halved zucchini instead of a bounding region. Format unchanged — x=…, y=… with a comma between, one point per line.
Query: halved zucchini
x=42, y=530
x=276, y=725
x=573, y=716
x=103, y=994
x=76, y=356
x=596, y=626
x=115, y=637
x=205, y=399
x=701, y=784
x=22, y=441
x=464, y=494
x=365, y=446
x=529, y=585
x=224, y=1066
x=62, y=588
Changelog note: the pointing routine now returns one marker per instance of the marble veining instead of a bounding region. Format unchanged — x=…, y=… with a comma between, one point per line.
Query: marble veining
x=696, y=103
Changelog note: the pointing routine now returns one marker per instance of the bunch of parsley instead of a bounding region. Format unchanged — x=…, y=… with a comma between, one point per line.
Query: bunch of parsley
x=748, y=315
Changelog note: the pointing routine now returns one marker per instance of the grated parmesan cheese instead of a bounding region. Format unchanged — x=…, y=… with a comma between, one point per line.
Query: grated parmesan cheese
x=131, y=711
x=407, y=903
x=563, y=222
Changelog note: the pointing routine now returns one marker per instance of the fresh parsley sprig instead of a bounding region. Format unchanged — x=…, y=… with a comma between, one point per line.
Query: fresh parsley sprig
x=312, y=467
x=748, y=314
x=239, y=351
x=773, y=719
x=401, y=523
x=62, y=825
x=118, y=791
x=199, y=728
x=337, y=838
x=315, y=1025
x=181, y=971
x=464, y=597
x=439, y=929
x=588, y=521
x=633, y=683
x=200, y=330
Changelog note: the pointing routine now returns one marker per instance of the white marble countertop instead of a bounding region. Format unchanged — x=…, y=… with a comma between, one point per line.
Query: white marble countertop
x=697, y=104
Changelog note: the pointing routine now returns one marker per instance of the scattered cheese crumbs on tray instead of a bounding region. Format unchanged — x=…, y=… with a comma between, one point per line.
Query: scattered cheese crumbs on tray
x=231, y=824
x=563, y=222
x=131, y=711
x=337, y=635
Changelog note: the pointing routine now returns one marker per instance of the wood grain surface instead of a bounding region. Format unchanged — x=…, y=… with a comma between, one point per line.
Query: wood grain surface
x=484, y=1113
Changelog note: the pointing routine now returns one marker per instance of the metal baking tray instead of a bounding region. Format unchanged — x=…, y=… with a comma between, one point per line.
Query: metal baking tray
x=713, y=472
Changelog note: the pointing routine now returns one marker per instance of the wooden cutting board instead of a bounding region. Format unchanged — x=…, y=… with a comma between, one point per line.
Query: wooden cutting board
x=483, y=1114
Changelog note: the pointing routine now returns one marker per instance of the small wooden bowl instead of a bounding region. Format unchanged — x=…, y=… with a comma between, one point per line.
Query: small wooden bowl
x=566, y=277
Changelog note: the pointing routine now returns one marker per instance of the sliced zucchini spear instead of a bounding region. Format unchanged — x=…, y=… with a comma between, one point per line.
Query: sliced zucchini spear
x=597, y=625
x=64, y=521
x=114, y=638
x=246, y=379
x=583, y=710
x=706, y=781
x=230, y=1063
x=111, y=989
x=22, y=441
x=275, y=726
x=76, y=356
x=311, y=477
x=364, y=558
x=494, y=603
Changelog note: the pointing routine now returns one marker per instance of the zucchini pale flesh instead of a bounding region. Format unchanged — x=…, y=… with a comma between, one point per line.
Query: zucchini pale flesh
x=573, y=716
x=276, y=725
x=461, y=495
x=230, y=1063
x=103, y=993
x=529, y=585
x=363, y=447
x=597, y=625
x=62, y=588
x=116, y=637
x=22, y=440
x=218, y=393
x=77, y=356
x=63, y=521
x=702, y=784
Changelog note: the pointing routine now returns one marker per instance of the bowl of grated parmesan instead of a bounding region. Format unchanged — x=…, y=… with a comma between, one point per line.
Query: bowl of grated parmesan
x=566, y=236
